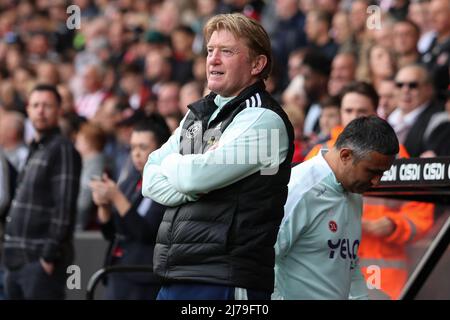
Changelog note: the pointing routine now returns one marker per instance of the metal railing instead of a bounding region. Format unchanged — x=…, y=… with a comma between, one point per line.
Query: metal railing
x=100, y=274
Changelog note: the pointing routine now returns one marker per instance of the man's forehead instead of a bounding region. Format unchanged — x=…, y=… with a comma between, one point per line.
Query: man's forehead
x=412, y=74
x=378, y=161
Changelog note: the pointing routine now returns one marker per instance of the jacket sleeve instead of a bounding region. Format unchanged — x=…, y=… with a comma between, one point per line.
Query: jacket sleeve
x=155, y=185
x=142, y=220
x=412, y=222
x=241, y=151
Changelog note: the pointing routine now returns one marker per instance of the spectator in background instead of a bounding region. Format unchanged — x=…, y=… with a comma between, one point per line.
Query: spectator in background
x=168, y=103
x=358, y=19
x=296, y=117
x=415, y=107
x=182, y=40
x=287, y=34
x=295, y=62
x=388, y=101
x=315, y=71
x=90, y=141
x=158, y=70
x=341, y=32
x=378, y=63
x=108, y=117
x=67, y=103
x=130, y=221
x=189, y=93
x=330, y=118
x=357, y=99
x=132, y=85
x=437, y=58
x=88, y=104
x=7, y=186
x=295, y=94
x=199, y=69
x=46, y=196
x=406, y=35
x=12, y=125
x=47, y=73
x=318, y=35
x=343, y=69
x=438, y=133
x=418, y=12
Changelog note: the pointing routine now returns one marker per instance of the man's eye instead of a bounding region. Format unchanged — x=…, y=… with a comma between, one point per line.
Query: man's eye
x=227, y=52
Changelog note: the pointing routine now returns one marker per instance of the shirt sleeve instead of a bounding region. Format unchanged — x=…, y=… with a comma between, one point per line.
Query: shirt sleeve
x=291, y=229
x=358, y=288
x=155, y=184
x=255, y=141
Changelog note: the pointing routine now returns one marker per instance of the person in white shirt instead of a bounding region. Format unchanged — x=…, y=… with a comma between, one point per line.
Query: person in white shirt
x=316, y=253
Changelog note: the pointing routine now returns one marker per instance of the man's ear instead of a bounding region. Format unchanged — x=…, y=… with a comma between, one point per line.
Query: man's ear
x=258, y=64
x=346, y=155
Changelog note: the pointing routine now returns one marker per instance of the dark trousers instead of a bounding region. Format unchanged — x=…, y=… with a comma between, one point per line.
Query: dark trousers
x=121, y=287
x=195, y=291
x=31, y=282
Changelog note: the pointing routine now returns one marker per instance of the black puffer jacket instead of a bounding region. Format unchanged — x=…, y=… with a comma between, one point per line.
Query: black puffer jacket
x=227, y=237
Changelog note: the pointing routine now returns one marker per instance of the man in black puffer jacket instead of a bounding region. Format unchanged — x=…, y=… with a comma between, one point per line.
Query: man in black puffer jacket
x=223, y=174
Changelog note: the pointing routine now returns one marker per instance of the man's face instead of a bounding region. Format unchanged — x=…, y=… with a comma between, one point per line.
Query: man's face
x=405, y=38
x=313, y=83
x=142, y=144
x=440, y=16
x=411, y=91
x=342, y=73
x=386, y=92
x=43, y=110
x=360, y=176
x=355, y=105
x=168, y=100
x=312, y=27
x=228, y=64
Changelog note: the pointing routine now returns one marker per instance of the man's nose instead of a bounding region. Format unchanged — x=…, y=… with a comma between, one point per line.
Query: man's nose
x=214, y=56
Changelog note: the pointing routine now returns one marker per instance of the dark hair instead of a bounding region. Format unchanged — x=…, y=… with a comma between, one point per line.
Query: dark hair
x=50, y=88
x=317, y=61
x=412, y=24
x=155, y=124
x=331, y=102
x=367, y=134
x=323, y=16
x=362, y=88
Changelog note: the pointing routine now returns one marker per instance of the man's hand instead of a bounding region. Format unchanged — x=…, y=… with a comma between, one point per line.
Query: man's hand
x=381, y=228
x=103, y=191
x=47, y=266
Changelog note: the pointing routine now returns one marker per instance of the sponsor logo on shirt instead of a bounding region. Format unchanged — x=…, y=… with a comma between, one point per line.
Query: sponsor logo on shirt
x=343, y=248
x=193, y=130
x=333, y=226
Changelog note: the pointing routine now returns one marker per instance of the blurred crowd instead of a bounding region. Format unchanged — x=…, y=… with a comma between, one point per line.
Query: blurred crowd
x=134, y=59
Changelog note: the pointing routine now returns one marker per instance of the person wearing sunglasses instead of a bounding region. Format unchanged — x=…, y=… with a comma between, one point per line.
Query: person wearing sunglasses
x=415, y=106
